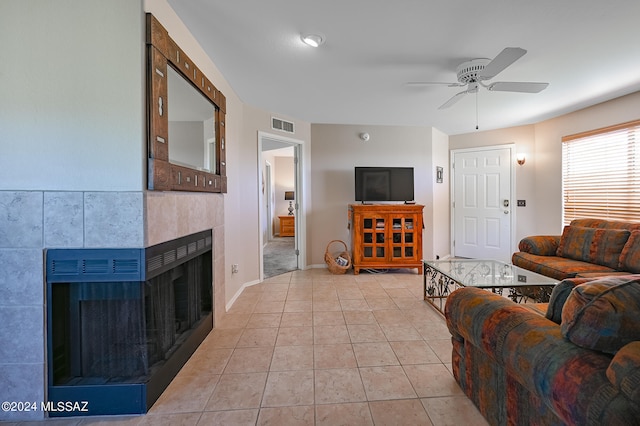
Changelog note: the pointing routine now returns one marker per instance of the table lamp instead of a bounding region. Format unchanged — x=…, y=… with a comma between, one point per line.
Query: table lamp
x=288, y=196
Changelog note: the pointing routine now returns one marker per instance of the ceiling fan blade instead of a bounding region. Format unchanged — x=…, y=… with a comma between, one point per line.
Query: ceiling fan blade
x=515, y=86
x=505, y=58
x=453, y=100
x=430, y=83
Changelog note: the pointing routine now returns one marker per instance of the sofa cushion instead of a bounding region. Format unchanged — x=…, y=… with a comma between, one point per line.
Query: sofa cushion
x=594, y=245
x=603, y=314
x=559, y=296
x=575, y=243
x=557, y=267
x=607, y=245
x=630, y=256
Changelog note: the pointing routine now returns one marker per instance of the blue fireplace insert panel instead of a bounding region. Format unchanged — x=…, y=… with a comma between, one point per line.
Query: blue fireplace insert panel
x=122, y=322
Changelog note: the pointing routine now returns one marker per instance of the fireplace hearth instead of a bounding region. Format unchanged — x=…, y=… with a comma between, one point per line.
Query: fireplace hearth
x=122, y=322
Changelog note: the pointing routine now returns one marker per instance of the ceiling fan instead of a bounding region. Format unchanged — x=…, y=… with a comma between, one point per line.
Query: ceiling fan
x=476, y=72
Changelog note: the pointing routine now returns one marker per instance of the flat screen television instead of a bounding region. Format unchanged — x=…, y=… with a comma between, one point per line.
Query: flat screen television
x=384, y=184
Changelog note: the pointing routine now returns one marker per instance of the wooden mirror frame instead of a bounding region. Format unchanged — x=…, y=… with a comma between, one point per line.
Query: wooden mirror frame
x=162, y=174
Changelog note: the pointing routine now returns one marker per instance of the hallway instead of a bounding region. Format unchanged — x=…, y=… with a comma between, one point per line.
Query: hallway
x=279, y=257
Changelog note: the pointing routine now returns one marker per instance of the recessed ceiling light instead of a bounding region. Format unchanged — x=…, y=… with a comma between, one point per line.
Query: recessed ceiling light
x=313, y=40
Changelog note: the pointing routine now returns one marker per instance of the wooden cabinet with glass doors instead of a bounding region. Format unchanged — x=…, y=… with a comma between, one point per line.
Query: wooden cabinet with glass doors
x=385, y=236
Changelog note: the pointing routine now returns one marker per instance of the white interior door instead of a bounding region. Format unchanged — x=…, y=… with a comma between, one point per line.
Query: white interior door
x=482, y=204
x=268, y=199
x=296, y=219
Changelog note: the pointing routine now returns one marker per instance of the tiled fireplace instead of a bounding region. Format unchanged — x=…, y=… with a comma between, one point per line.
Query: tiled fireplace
x=122, y=322
x=35, y=221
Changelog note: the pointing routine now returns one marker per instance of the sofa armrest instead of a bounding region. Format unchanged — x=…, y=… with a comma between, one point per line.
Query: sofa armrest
x=542, y=245
x=484, y=319
x=624, y=371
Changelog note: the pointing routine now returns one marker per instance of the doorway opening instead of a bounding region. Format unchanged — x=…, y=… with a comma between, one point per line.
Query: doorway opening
x=281, y=213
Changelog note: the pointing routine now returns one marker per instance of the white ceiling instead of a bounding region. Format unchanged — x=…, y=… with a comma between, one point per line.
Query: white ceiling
x=587, y=50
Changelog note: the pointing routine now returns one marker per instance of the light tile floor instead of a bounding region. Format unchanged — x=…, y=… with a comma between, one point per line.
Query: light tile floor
x=311, y=348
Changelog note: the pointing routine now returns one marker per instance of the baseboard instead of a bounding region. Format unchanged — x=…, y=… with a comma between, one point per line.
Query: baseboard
x=317, y=266
x=238, y=293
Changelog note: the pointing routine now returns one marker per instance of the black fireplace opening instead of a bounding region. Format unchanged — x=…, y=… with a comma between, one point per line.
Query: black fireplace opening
x=108, y=337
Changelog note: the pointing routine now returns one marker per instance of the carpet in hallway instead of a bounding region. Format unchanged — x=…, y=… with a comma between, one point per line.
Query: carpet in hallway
x=279, y=257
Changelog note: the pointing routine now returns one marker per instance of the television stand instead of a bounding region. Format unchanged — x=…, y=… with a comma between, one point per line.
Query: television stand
x=386, y=236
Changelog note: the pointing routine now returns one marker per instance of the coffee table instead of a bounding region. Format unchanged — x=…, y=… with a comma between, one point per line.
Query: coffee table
x=441, y=277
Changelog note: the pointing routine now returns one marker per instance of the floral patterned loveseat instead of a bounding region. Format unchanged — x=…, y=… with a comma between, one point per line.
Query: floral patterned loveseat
x=579, y=365
x=586, y=248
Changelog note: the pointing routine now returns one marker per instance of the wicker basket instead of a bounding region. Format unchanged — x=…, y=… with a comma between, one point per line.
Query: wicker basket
x=331, y=259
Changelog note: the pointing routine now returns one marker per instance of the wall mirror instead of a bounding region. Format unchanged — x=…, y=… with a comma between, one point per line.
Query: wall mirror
x=186, y=112
x=191, y=125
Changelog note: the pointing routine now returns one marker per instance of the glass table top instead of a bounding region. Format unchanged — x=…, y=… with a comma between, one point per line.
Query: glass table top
x=487, y=273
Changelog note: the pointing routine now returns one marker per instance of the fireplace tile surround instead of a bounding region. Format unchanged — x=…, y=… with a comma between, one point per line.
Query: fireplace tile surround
x=31, y=221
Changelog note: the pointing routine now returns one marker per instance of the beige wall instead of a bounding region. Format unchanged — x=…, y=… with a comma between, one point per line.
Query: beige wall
x=437, y=227
x=539, y=180
x=243, y=204
x=337, y=149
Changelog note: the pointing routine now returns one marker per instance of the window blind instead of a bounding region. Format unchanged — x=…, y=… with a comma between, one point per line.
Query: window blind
x=601, y=173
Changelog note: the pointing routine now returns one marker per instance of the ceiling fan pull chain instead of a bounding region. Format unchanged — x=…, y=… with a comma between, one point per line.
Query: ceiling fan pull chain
x=477, y=110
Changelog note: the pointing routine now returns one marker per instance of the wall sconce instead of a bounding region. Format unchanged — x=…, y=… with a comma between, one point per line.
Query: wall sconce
x=520, y=158
x=288, y=196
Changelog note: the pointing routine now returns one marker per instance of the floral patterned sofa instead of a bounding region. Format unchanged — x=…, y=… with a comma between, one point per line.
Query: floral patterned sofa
x=586, y=248
x=579, y=365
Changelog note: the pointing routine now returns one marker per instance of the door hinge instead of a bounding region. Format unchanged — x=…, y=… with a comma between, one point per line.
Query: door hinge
x=297, y=252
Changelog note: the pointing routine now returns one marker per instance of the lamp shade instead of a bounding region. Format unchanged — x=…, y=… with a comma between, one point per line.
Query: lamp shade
x=288, y=195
